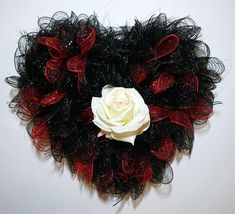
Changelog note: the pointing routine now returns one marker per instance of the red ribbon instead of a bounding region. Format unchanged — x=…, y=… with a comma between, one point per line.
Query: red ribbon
x=190, y=81
x=53, y=97
x=167, y=79
x=40, y=135
x=84, y=170
x=135, y=167
x=53, y=71
x=77, y=63
x=163, y=82
x=83, y=161
x=86, y=43
x=30, y=100
x=138, y=73
x=201, y=111
x=53, y=45
x=178, y=117
x=165, y=46
x=166, y=151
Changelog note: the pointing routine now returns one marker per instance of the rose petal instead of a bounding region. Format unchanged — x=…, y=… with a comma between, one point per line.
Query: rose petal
x=94, y=105
x=125, y=116
x=106, y=89
x=121, y=137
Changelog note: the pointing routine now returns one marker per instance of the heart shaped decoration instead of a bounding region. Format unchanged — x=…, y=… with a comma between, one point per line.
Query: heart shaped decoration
x=115, y=103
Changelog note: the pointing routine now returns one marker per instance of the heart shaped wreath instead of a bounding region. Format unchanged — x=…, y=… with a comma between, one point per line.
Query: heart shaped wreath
x=115, y=103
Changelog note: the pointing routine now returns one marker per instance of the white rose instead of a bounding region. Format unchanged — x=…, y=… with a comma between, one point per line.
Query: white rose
x=120, y=113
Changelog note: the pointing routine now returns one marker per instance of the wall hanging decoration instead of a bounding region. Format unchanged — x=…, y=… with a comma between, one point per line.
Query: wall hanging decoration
x=115, y=103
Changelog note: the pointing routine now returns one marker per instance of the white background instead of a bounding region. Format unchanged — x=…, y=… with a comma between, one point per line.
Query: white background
x=203, y=183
